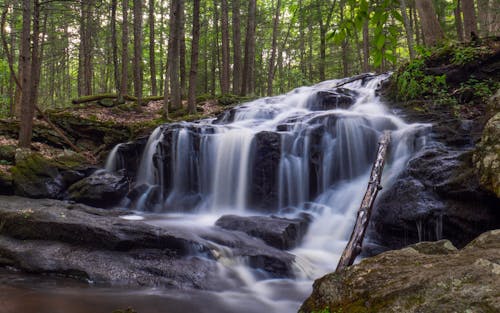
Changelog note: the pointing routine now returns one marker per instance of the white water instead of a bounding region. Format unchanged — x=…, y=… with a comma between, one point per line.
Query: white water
x=324, y=161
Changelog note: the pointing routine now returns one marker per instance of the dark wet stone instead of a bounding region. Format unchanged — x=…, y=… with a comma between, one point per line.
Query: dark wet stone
x=101, y=189
x=278, y=232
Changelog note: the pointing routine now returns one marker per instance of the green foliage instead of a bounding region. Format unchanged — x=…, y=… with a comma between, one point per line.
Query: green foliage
x=478, y=89
x=464, y=55
x=413, y=83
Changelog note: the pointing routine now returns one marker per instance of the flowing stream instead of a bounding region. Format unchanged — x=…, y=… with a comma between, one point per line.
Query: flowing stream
x=310, y=150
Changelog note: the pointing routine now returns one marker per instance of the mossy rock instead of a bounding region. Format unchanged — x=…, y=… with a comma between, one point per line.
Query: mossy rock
x=6, y=183
x=487, y=156
x=7, y=154
x=37, y=177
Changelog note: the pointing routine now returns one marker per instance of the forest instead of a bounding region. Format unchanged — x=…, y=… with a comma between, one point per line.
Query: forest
x=311, y=156
x=186, y=50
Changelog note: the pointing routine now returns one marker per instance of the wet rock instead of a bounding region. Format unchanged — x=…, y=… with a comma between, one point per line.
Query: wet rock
x=340, y=98
x=487, y=156
x=265, y=171
x=74, y=240
x=6, y=183
x=278, y=232
x=129, y=156
x=101, y=189
x=37, y=177
x=437, y=196
x=7, y=154
x=428, y=277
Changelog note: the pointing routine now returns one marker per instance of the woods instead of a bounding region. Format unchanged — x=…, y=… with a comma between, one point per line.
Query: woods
x=59, y=50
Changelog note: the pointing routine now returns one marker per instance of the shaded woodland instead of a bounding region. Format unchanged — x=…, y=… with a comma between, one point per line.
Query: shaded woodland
x=55, y=51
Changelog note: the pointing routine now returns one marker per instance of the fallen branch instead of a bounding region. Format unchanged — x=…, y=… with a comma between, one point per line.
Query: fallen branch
x=354, y=245
x=355, y=78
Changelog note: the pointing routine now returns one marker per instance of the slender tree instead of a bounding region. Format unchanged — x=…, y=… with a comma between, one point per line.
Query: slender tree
x=193, y=73
x=137, y=63
x=458, y=21
x=26, y=124
x=236, y=47
x=433, y=32
x=247, y=82
x=114, y=44
x=225, y=79
x=470, y=24
x=124, y=79
x=270, y=73
x=152, y=63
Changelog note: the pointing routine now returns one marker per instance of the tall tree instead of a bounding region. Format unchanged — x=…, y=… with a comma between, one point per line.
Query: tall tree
x=114, y=44
x=324, y=25
x=124, y=79
x=470, y=24
x=270, y=73
x=457, y=11
x=137, y=63
x=194, y=58
x=408, y=29
x=26, y=123
x=182, y=48
x=86, y=65
x=236, y=47
x=152, y=63
x=431, y=28
x=173, y=58
x=247, y=83
x=225, y=79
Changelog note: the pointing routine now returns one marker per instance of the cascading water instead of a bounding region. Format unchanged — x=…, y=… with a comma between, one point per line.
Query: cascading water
x=308, y=151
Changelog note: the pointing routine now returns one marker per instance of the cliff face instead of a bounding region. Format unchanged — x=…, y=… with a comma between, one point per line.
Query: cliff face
x=425, y=277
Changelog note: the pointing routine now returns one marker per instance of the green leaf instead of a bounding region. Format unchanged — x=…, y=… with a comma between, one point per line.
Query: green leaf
x=380, y=41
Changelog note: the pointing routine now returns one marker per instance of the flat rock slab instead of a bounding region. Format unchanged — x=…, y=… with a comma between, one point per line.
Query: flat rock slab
x=75, y=240
x=278, y=232
x=426, y=277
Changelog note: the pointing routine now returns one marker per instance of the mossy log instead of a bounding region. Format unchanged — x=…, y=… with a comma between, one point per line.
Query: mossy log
x=353, y=247
x=113, y=96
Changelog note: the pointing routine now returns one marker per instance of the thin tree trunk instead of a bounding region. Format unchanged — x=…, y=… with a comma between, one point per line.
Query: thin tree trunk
x=483, y=9
x=270, y=74
x=182, y=50
x=366, y=47
x=114, y=44
x=355, y=243
x=302, y=49
x=236, y=47
x=430, y=24
x=470, y=24
x=225, y=79
x=174, y=53
x=138, y=50
x=26, y=124
x=457, y=11
x=193, y=73
x=408, y=28
x=124, y=79
x=152, y=64
x=248, y=66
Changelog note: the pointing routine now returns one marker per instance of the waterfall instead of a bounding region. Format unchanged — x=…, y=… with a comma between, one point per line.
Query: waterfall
x=310, y=150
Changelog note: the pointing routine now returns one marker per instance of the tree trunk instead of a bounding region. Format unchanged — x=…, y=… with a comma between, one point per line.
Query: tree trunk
x=248, y=66
x=152, y=64
x=355, y=243
x=270, y=73
x=124, y=81
x=26, y=124
x=470, y=24
x=86, y=48
x=408, y=29
x=114, y=44
x=182, y=50
x=366, y=47
x=430, y=24
x=483, y=9
x=457, y=11
x=236, y=47
x=194, y=58
x=174, y=59
x=138, y=50
x=225, y=79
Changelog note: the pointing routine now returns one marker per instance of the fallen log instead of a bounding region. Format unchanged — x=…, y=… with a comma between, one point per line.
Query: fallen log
x=103, y=96
x=354, y=245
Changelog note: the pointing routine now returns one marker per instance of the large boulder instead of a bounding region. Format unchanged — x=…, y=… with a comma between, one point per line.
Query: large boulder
x=101, y=189
x=37, y=177
x=265, y=170
x=487, y=156
x=442, y=198
x=93, y=244
x=340, y=98
x=278, y=232
x=426, y=277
